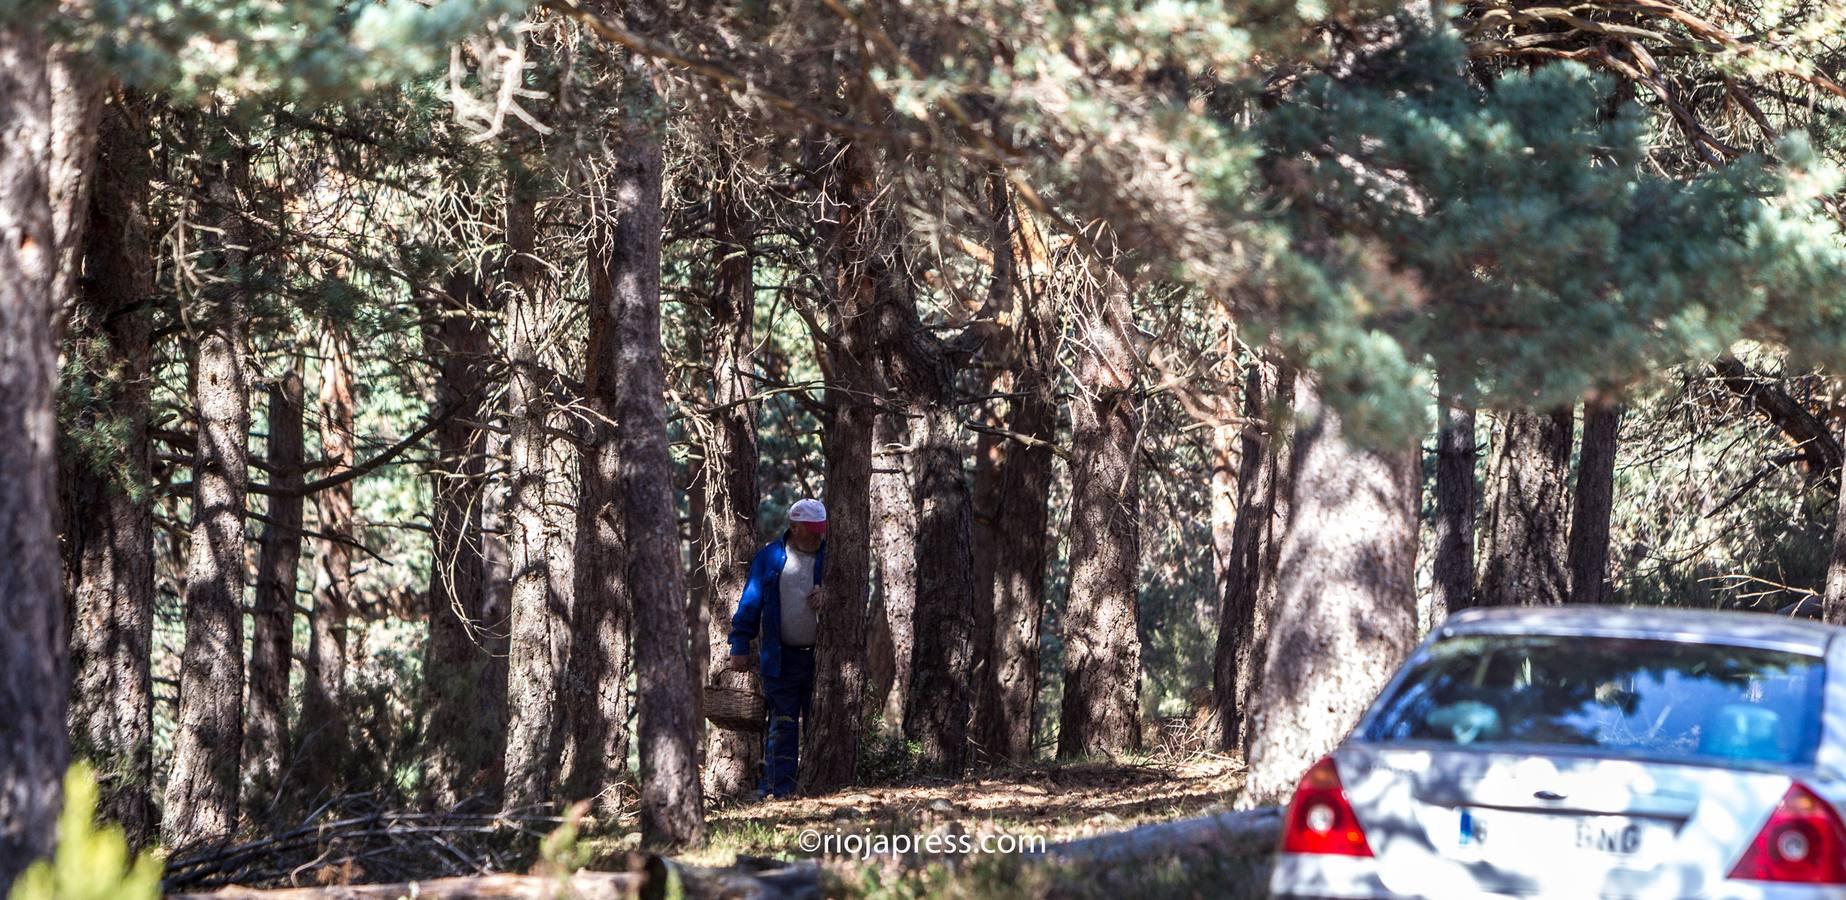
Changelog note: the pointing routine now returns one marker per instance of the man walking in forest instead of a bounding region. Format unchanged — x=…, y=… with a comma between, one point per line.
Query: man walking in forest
x=779, y=603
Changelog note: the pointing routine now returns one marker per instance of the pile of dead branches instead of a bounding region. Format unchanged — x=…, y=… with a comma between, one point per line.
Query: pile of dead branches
x=361, y=838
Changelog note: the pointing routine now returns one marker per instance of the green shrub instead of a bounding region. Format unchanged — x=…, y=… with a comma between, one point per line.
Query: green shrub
x=92, y=861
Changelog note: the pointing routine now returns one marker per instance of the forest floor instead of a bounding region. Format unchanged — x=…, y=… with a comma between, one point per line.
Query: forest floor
x=1046, y=803
x=1058, y=803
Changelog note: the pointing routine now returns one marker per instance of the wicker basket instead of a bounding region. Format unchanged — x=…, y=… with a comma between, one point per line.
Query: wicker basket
x=733, y=701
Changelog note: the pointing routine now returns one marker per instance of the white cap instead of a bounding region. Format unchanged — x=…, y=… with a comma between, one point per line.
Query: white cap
x=807, y=511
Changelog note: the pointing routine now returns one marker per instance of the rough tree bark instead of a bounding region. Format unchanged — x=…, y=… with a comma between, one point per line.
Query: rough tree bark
x=1250, y=577
x=324, y=739
x=1345, y=614
x=1456, y=495
x=850, y=240
x=465, y=649
x=1022, y=532
x=1102, y=646
x=985, y=482
x=1833, y=592
x=108, y=526
x=672, y=808
x=201, y=797
x=77, y=91
x=272, y=616
x=894, y=542
x=1524, y=544
x=540, y=612
x=1595, y=500
x=727, y=530
x=603, y=612
x=990, y=449
x=940, y=691
x=33, y=746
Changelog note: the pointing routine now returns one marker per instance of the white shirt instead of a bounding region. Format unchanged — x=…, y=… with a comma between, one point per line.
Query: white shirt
x=798, y=621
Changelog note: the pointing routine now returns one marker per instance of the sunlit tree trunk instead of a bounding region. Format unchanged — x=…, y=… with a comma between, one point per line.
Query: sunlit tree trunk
x=596, y=683
x=1345, y=613
x=1021, y=512
x=894, y=545
x=941, y=675
x=672, y=805
x=108, y=522
x=1250, y=572
x=1102, y=647
x=33, y=747
x=1022, y=532
x=1833, y=593
x=324, y=738
x=201, y=798
x=1523, y=551
x=540, y=611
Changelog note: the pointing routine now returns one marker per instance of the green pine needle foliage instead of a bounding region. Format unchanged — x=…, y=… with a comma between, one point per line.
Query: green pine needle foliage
x=92, y=861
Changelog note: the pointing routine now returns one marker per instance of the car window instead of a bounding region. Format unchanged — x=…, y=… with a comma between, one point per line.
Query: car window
x=1624, y=696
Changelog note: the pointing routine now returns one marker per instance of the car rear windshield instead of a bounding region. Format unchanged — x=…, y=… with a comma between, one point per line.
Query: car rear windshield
x=1621, y=696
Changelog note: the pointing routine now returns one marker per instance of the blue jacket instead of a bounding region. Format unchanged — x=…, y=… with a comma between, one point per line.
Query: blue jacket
x=760, y=608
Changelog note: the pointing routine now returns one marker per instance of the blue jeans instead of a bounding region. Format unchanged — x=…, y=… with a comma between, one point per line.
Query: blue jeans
x=788, y=695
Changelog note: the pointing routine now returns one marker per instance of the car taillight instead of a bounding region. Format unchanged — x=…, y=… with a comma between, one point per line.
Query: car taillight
x=1803, y=841
x=1319, y=819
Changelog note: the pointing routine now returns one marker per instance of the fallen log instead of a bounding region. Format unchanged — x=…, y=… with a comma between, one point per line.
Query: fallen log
x=658, y=878
x=1248, y=834
x=583, y=885
x=1229, y=834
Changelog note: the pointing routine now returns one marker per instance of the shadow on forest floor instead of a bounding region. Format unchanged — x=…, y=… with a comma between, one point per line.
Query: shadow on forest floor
x=1056, y=802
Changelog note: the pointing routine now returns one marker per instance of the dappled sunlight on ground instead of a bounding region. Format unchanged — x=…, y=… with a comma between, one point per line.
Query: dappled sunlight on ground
x=1057, y=802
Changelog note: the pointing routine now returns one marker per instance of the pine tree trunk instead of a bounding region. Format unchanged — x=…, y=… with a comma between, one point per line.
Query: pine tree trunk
x=201, y=798
x=830, y=734
x=990, y=451
x=894, y=536
x=1523, y=560
x=1021, y=530
x=325, y=742
x=1102, y=644
x=672, y=808
x=108, y=515
x=940, y=691
x=1250, y=576
x=1456, y=494
x=1021, y=553
x=77, y=91
x=727, y=530
x=465, y=667
x=603, y=611
x=1345, y=614
x=540, y=615
x=1226, y=471
x=1833, y=593
x=1595, y=501
x=272, y=617
x=33, y=744
x=985, y=483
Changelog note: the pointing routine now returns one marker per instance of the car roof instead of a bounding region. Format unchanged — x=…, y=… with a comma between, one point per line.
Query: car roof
x=1704, y=626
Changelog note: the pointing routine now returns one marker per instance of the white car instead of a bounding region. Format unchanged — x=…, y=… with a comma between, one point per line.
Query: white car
x=1582, y=752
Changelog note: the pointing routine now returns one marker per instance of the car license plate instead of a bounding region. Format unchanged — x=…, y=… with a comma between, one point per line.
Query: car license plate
x=1524, y=832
